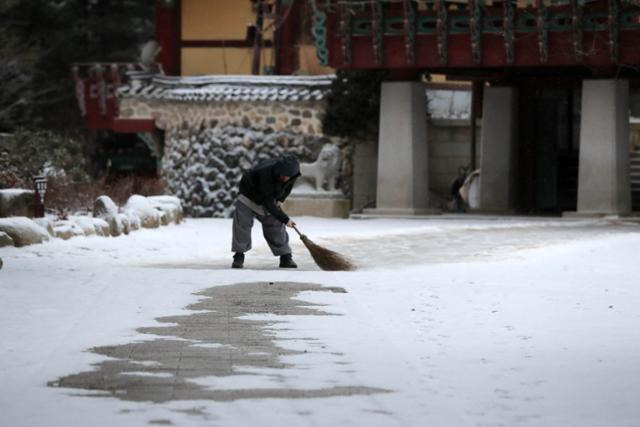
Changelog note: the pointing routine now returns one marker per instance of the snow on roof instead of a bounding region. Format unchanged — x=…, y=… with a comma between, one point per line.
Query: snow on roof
x=227, y=87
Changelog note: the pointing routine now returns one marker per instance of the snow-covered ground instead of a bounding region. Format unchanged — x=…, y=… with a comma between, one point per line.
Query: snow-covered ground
x=486, y=321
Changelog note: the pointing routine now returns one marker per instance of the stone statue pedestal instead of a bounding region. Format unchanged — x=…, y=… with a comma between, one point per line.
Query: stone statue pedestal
x=306, y=201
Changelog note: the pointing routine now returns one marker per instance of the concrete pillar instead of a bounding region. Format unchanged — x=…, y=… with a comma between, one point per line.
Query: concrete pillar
x=497, y=155
x=365, y=174
x=603, y=176
x=402, y=184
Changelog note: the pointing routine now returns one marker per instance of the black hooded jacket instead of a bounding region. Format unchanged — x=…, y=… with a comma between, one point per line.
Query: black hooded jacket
x=262, y=184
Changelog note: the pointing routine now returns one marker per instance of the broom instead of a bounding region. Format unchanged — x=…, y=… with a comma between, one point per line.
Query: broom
x=326, y=259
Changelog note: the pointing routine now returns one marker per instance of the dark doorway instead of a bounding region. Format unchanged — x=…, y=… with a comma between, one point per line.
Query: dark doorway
x=548, y=126
x=123, y=154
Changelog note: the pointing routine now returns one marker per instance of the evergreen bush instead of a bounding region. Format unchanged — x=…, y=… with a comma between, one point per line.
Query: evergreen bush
x=353, y=104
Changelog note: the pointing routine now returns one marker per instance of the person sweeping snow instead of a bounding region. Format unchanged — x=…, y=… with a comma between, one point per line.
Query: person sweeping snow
x=262, y=189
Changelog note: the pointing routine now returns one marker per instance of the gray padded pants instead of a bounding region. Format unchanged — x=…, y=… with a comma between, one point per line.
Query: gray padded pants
x=273, y=230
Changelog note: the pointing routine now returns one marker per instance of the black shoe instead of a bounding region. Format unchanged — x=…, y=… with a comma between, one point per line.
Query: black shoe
x=238, y=260
x=286, y=261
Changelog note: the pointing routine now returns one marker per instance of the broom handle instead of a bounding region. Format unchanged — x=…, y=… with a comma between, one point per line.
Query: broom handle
x=297, y=231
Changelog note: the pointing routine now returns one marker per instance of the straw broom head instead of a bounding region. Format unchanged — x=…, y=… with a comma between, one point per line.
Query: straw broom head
x=325, y=258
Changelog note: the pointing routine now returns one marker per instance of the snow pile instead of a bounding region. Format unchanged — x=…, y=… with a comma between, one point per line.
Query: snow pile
x=90, y=225
x=23, y=230
x=107, y=210
x=6, y=240
x=66, y=229
x=204, y=167
x=107, y=221
x=139, y=211
x=104, y=207
x=170, y=205
x=46, y=223
x=133, y=220
x=140, y=207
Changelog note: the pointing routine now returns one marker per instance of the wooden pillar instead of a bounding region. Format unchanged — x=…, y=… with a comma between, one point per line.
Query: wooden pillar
x=287, y=36
x=169, y=34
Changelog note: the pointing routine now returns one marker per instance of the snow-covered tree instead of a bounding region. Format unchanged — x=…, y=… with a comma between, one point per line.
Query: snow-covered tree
x=40, y=39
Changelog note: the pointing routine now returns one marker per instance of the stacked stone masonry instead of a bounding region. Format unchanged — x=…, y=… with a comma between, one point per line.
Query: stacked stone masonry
x=208, y=145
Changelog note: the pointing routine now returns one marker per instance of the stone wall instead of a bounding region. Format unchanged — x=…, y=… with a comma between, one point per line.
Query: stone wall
x=208, y=145
x=298, y=117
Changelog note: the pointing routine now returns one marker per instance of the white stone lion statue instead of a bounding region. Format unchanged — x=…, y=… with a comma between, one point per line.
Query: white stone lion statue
x=325, y=168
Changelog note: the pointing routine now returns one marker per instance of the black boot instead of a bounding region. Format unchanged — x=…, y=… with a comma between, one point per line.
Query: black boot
x=286, y=261
x=238, y=260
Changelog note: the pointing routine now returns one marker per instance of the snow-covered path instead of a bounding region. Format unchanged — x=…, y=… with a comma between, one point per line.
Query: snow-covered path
x=447, y=322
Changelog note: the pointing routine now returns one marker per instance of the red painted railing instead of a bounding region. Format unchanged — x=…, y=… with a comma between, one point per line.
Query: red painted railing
x=96, y=87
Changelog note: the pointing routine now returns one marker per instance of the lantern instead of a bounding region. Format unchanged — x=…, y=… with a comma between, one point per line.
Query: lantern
x=40, y=184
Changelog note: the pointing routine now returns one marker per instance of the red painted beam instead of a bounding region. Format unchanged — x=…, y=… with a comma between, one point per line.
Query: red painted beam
x=97, y=117
x=560, y=49
x=287, y=36
x=133, y=125
x=223, y=43
x=561, y=52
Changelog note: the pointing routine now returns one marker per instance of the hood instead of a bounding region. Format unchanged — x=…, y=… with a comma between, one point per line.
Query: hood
x=287, y=166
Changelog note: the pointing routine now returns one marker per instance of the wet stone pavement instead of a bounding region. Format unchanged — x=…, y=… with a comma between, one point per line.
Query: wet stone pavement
x=213, y=341
x=448, y=244
x=454, y=245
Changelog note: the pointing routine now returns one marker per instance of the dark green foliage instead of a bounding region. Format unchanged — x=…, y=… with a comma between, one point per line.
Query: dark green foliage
x=39, y=39
x=28, y=153
x=353, y=104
